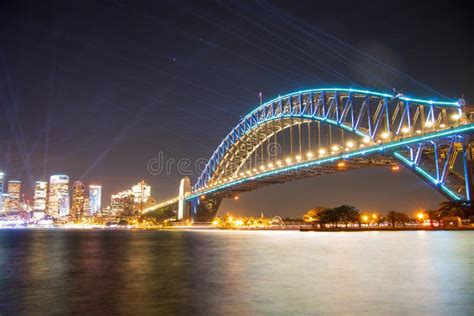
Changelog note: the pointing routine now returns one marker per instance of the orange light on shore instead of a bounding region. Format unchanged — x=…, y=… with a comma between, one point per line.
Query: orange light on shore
x=236, y=197
x=202, y=197
x=341, y=164
x=395, y=168
x=420, y=215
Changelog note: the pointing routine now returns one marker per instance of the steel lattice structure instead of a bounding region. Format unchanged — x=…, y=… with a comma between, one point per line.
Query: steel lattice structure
x=427, y=136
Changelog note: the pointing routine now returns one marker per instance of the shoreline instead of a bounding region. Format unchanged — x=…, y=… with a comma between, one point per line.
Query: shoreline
x=299, y=229
x=388, y=229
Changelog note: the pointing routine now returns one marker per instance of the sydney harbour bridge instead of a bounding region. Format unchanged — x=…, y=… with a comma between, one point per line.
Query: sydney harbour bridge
x=321, y=131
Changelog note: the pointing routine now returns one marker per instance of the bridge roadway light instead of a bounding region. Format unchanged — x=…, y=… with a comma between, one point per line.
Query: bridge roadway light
x=322, y=152
x=270, y=165
x=335, y=148
x=429, y=123
x=288, y=160
x=262, y=167
x=405, y=130
x=366, y=140
x=298, y=157
x=279, y=163
x=442, y=125
x=385, y=135
x=309, y=154
x=350, y=144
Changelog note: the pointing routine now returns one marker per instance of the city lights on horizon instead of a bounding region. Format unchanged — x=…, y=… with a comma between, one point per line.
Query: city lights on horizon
x=56, y=199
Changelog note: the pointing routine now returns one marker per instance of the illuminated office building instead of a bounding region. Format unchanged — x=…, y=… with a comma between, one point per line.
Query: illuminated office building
x=141, y=194
x=78, y=199
x=122, y=203
x=14, y=190
x=95, y=194
x=40, y=196
x=58, y=202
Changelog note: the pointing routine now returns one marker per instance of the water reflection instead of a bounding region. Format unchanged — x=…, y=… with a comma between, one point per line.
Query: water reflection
x=235, y=272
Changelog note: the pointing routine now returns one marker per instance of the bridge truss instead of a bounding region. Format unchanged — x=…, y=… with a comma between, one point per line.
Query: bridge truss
x=320, y=131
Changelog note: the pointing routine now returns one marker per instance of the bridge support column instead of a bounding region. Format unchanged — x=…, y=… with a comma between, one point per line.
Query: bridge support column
x=467, y=164
x=183, y=205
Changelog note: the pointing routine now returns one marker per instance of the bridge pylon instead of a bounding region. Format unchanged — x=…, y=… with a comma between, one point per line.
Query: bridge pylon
x=183, y=205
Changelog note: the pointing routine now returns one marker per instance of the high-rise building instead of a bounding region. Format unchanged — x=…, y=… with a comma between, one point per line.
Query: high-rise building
x=122, y=203
x=2, y=181
x=78, y=199
x=40, y=196
x=58, y=202
x=141, y=193
x=95, y=195
x=14, y=190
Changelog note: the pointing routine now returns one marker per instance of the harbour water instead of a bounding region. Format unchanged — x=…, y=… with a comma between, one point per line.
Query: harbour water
x=235, y=272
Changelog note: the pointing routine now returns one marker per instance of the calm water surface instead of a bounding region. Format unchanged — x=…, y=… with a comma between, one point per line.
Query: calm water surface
x=231, y=272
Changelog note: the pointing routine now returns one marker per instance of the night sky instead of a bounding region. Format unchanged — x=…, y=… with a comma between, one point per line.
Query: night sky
x=94, y=89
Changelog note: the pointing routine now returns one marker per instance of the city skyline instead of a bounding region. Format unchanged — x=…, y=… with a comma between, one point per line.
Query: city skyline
x=99, y=110
x=61, y=198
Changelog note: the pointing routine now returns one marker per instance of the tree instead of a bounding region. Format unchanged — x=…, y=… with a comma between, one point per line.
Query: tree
x=329, y=215
x=395, y=218
x=433, y=215
x=403, y=218
x=348, y=214
x=392, y=217
x=462, y=209
x=313, y=214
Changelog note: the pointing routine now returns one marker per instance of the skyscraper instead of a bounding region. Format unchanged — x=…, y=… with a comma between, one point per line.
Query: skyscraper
x=58, y=203
x=95, y=194
x=14, y=190
x=141, y=193
x=122, y=203
x=40, y=196
x=2, y=180
x=78, y=199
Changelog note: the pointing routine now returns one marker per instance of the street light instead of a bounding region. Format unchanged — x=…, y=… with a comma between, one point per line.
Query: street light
x=456, y=116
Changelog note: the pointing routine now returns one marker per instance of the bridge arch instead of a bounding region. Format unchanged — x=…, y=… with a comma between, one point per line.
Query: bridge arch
x=409, y=128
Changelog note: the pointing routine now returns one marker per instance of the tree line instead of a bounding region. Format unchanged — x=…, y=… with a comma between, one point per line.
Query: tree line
x=349, y=215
